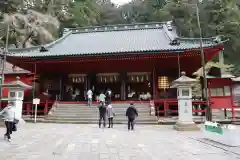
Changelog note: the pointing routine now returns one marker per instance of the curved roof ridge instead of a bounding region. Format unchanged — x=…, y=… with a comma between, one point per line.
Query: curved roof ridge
x=49, y=45
x=118, y=27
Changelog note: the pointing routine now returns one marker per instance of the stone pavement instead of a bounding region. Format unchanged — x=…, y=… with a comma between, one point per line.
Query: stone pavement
x=83, y=142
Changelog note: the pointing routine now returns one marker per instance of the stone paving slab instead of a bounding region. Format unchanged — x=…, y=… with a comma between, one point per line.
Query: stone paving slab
x=83, y=142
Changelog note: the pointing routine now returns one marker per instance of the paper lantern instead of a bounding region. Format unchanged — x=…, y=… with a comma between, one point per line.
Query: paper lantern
x=163, y=82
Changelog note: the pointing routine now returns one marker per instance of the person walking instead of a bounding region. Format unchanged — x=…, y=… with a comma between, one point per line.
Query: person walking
x=9, y=116
x=131, y=113
x=102, y=115
x=110, y=115
x=89, y=96
x=109, y=96
x=102, y=98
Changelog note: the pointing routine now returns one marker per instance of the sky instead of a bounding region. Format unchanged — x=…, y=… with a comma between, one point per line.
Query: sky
x=120, y=2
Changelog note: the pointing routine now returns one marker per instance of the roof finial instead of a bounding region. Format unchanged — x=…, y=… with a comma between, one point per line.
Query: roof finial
x=183, y=73
x=18, y=78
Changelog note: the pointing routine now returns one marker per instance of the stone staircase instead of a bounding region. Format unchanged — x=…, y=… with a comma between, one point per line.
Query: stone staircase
x=80, y=113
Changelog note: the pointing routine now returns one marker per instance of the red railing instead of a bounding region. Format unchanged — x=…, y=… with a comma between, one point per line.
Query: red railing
x=163, y=106
x=29, y=109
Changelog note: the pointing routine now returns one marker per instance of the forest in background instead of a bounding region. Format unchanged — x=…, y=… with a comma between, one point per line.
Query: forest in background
x=34, y=22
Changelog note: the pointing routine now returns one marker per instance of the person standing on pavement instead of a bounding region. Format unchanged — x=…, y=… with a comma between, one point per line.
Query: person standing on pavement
x=9, y=116
x=131, y=113
x=110, y=115
x=102, y=115
x=89, y=96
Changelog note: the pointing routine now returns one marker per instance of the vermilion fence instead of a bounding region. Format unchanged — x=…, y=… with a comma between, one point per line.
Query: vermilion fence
x=29, y=109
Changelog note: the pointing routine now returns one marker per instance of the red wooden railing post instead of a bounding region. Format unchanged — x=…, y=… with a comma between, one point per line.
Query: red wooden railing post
x=28, y=107
x=46, y=107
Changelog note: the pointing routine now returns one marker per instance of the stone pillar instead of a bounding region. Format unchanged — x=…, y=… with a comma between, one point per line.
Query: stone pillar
x=184, y=90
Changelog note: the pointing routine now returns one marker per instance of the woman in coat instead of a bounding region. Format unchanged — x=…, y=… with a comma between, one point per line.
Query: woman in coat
x=110, y=115
x=9, y=115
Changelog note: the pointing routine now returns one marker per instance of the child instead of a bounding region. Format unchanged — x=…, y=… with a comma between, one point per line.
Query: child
x=110, y=115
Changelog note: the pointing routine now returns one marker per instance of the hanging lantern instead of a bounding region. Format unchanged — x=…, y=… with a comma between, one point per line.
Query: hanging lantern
x=149, y=84
x=105, y=79
x=132, y=78
x=111, y=79
x=80, y=79
x=73, y=79
x=142, y=78
x=115, y=78
x=147, y=78
x=101, y=79
x=137, y=79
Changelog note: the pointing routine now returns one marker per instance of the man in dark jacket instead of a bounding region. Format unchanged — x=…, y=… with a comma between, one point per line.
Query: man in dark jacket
x=131, y=113
x=102, y=114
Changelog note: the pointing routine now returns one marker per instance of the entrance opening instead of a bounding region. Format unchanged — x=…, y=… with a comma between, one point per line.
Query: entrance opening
x=108, y=81
x=139, y=86
x=75, y=88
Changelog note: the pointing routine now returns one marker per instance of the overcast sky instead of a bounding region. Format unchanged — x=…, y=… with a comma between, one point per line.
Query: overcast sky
x=120, y=2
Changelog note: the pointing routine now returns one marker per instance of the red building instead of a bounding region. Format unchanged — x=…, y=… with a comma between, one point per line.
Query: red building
x=136, y=61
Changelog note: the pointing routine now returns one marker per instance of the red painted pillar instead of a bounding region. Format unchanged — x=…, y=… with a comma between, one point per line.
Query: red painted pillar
x=46, y=107
x=155, y=84
x=232, y=105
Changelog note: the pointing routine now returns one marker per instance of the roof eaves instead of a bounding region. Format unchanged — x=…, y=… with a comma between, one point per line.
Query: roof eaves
x=37, y=48
x=177, y=50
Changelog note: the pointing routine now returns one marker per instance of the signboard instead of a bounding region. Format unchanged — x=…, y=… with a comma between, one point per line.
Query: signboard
x=36, y=101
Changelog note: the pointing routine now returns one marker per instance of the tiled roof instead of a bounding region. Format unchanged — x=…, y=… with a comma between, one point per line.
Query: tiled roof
x=121, y=39
x=10, y=69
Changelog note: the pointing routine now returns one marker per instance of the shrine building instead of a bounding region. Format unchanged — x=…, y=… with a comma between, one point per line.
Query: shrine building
x=136, y=61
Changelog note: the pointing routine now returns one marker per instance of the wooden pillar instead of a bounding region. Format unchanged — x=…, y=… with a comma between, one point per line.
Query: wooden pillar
x=154, y=84
x=60, y=88
x=123, y=86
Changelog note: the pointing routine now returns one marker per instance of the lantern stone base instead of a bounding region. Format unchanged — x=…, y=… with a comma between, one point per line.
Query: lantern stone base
x=186, y=126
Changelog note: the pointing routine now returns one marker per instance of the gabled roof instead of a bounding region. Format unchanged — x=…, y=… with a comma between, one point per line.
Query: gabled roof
x=118, y=39
x=11, y=69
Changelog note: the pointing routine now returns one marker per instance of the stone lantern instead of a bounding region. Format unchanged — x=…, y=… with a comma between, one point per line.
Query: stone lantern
x=184, y=92
x=16, y=94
